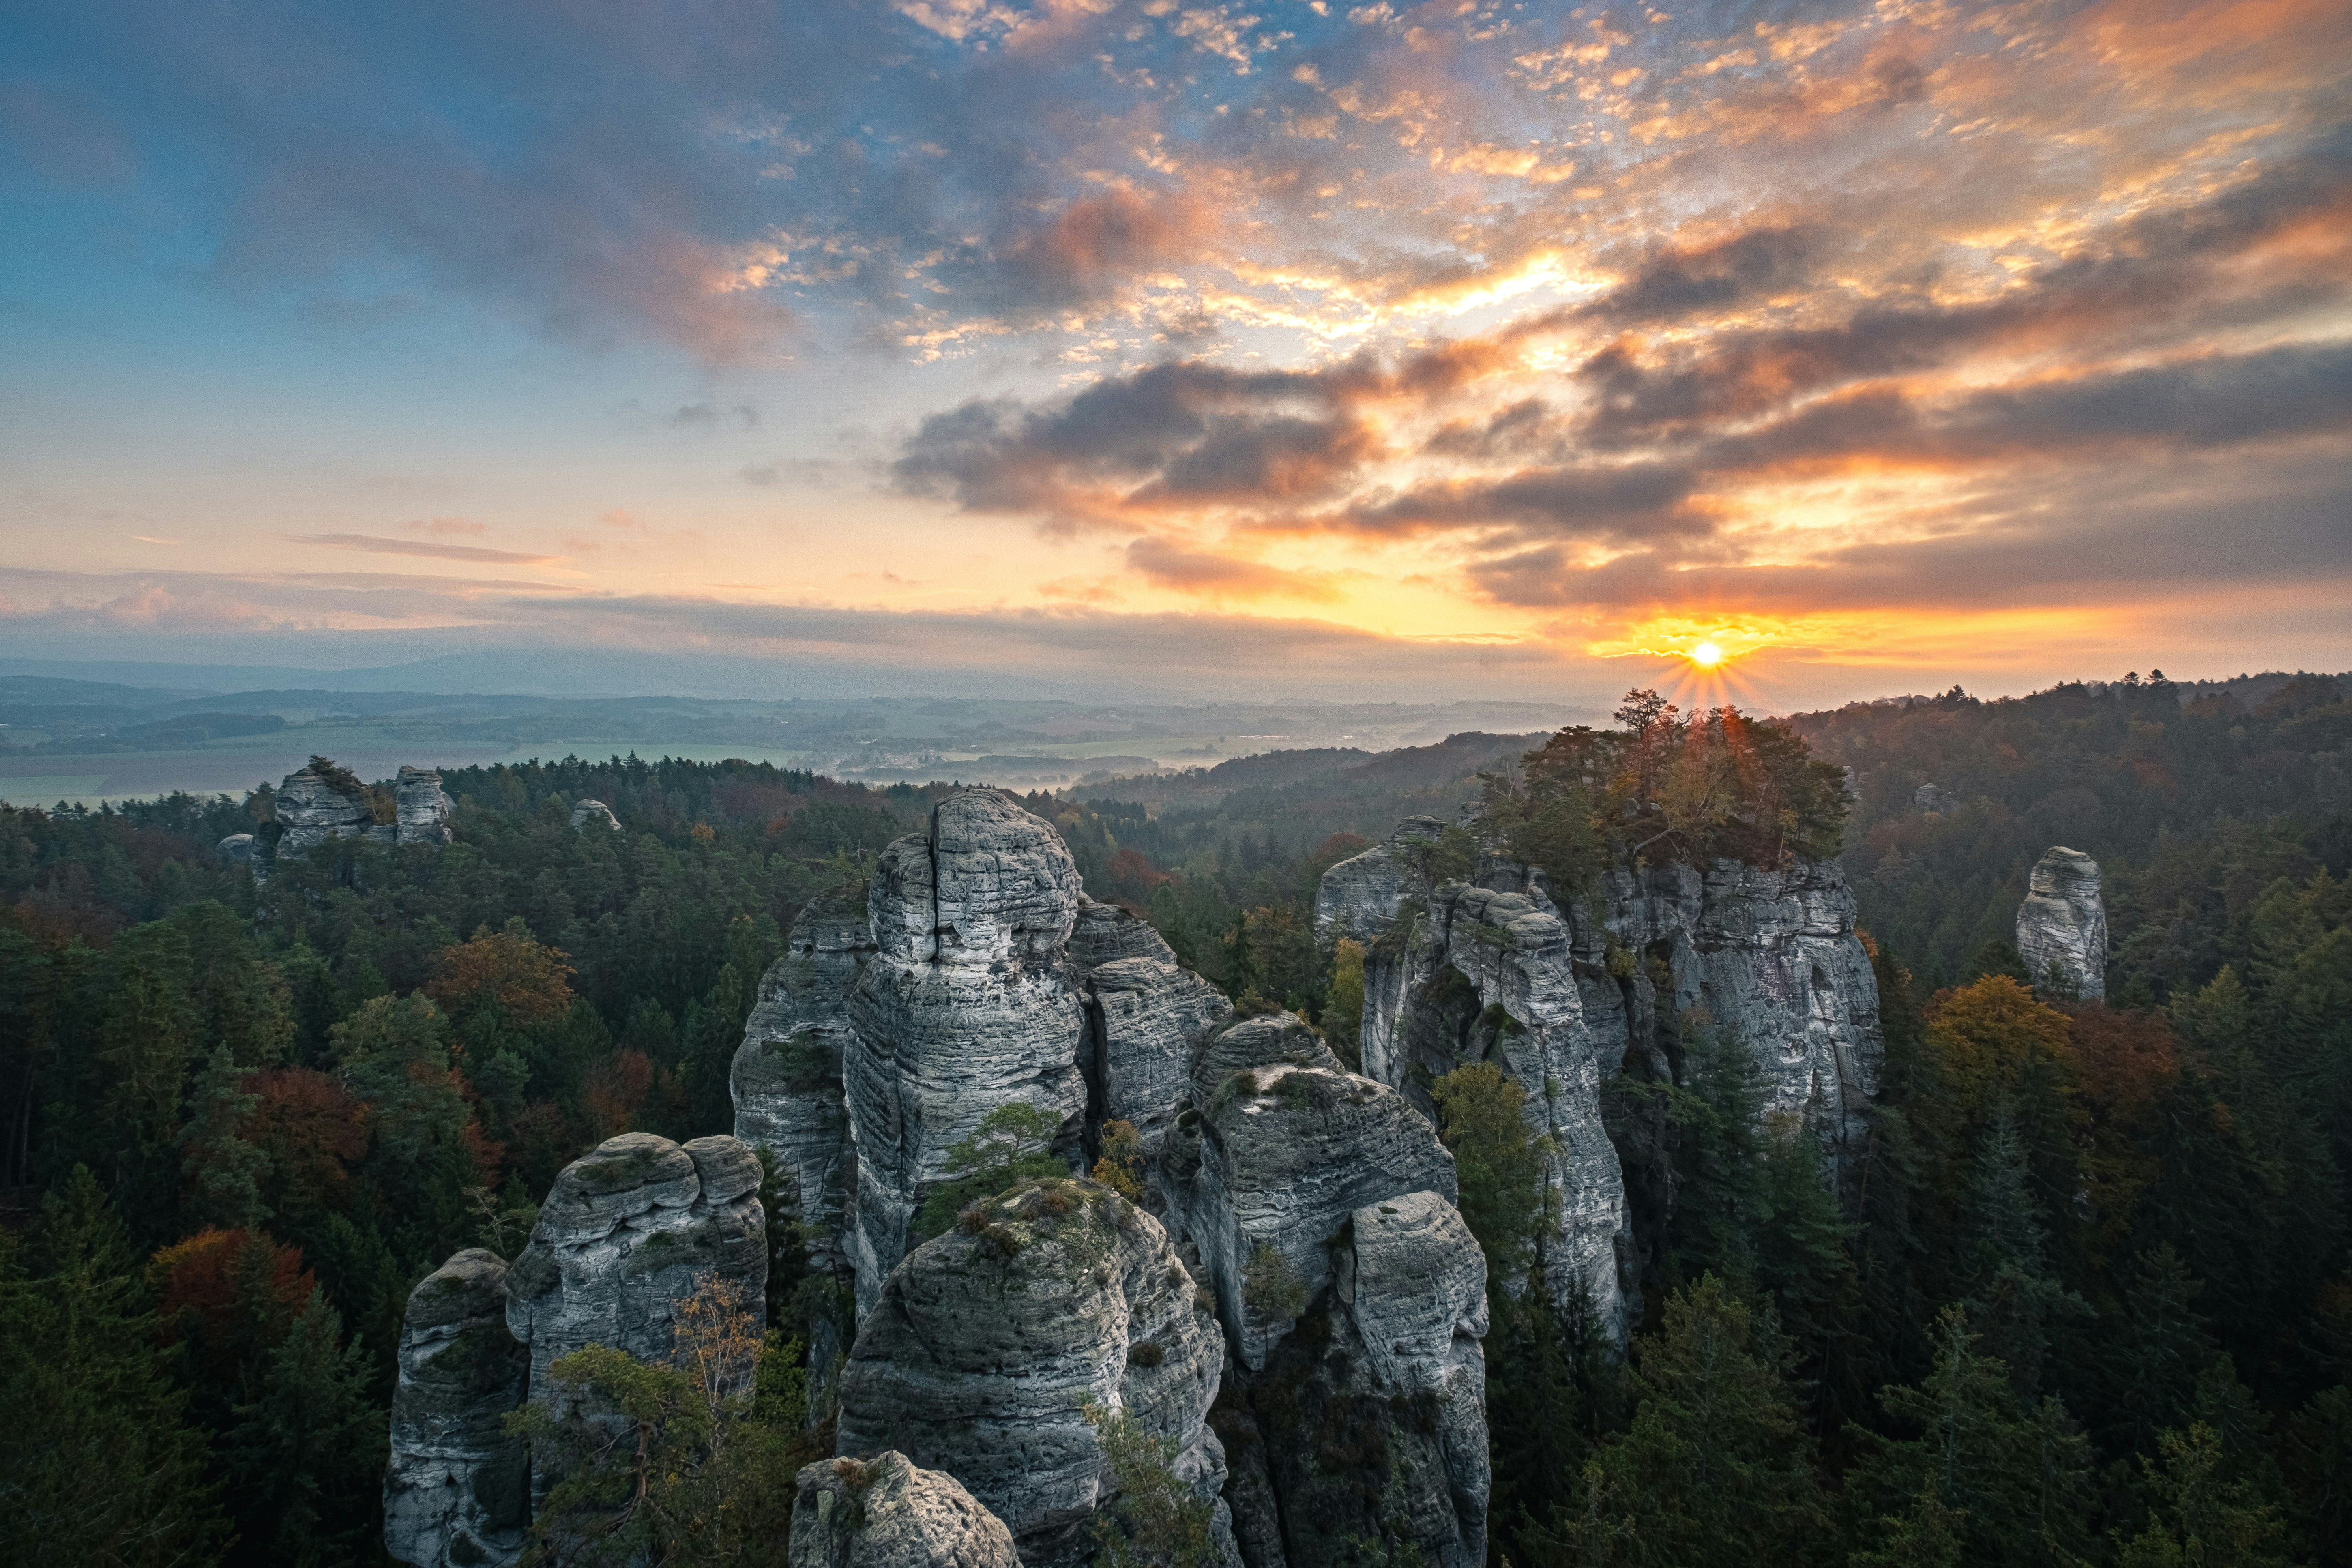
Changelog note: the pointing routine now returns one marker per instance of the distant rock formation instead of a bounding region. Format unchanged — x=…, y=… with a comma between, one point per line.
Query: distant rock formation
x=2062, y=927
x=884, y=1512
x=455, y=1489
x=319, y=800
x=970, y=1002
x=590, y=813
x=1934, y=797
x=1358, y=898
x=236, y=849
x=629, y=1232
x=987, y=1344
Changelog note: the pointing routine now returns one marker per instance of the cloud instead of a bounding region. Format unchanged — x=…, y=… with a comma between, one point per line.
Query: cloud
x=1208, y=574
x=372, y=543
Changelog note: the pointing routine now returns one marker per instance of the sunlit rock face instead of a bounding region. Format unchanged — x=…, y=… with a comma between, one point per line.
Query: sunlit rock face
x=593, y=815
x=629, y=1231
x=454, y=1487
x=1477, y=975
x=786, y=1078
x=969, y=1002
x=1359, y=898
x=2062, y=927
x=888, y=1512
x=987, y=1344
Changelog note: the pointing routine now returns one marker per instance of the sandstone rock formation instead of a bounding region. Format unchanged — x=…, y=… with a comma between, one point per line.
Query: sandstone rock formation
x=628, y=1232
x=969, y=1002
x=455, y=1491
x=422, y=808
x=1934, y=797
x=237, y=847
x=1105, y=933
x=884, y=1512
x=2062, y=927
x=319, y=801
x=590, y=813
x=1480, y=975
x=787, y=1073
x=1359, y=898
x=986, y=1344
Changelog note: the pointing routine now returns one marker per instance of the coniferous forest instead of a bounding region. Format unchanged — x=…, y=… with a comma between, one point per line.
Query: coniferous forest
x=2085, y=1298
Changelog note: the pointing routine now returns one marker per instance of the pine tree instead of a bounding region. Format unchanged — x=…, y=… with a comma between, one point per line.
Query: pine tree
x=304, y=1459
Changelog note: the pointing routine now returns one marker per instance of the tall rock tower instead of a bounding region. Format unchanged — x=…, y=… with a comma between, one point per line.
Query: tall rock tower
x=2062, y=927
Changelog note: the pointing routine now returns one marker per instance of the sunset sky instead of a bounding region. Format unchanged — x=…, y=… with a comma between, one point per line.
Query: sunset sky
x=1350, y=351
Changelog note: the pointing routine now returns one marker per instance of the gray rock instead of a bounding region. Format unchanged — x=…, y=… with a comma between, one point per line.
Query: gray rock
x=1286, y=1153
x=1147, y=1019
x=1934, y=797
x=787, y=1074
x=629, y=1231
x=455, y=1489
x=1359, y=898
x=986, y=1343
x=969, y=1002
x=1479, y=975
x=1106, y=933
x=237, y=848
x=886, y=1512
x=422, y=808
x=590, y=813
x=2062, y=927
x=309, y=810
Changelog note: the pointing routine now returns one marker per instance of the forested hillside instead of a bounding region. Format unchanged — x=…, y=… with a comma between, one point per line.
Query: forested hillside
x=2085, y=1298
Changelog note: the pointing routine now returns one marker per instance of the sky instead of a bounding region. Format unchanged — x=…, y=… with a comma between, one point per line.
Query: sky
x=1360, y=352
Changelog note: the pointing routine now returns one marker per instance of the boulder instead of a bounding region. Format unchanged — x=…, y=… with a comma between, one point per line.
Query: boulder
x=455, y=1489
x=629, y=1231
x=1359, y=898
x=423, y=810
x=2062, y=927
x=588, y=814
x=787, y=1074
x=970, y=1002
x=236, y=848
x=1479, y=975
x=886, y=1512
x=987, y=1345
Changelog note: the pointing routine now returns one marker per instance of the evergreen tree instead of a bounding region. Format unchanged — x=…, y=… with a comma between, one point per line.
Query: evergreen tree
x=304, y=1459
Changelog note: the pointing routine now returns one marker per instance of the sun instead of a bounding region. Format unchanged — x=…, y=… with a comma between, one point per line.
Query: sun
x=1706, y=656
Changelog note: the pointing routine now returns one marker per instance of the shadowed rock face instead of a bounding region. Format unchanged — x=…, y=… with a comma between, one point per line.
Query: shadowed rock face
x=588, y=814
x=627, y=1233
x=312, y=808
x=787, y=1073
x=1105, y=933
x=237, y=847
x=2062, y=927
x=1359, y=898
x=884, y=1512
x=455, y=1489
x=986, y=1342
x=424, y=809
x=1479, y=975
x=969, y=1002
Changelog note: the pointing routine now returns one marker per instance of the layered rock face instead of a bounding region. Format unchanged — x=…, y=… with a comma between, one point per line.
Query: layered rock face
x=627, y=1233
x=2062, y=927
x=886, y=1512
x=986, y=1343
x=422, y=808
x=1321, y=1204
x=787, y=1073
x=237, y=847
x=594, y=813
x=312, y=808
x=1359, y=898
x=455, y=1489
x=1480, y=975
x=970, y=1002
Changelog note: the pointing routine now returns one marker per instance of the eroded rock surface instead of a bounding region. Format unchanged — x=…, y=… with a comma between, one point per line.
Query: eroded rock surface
x=596, y=814
x=455, y=1489
x=237, y=847
x=422, y=807
x=315, y=804
x=1480, y=975
x=628, y=1232
x=2062, y=927
x=787, y=1073
x=887, y=1512
x=1151, y=1017
x=986, y=1343
x=1359, y=898
x=1106, y=933
x=970, y=1002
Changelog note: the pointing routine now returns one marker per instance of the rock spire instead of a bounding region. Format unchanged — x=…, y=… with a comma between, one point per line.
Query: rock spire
x=2062, y=927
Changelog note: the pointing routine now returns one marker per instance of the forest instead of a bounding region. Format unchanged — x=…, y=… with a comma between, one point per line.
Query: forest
x=2084, y=1300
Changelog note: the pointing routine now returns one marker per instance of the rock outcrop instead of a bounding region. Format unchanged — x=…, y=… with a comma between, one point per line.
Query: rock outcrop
x=1479, y=975
x=970, y=1002
x=629, y=1231
x=987, y=1344
x=886, y=1512
x=236, y=849
x=2062, y=927
x=787, y=1073
x=1934, y=797
x=423, y=810
x=588, y=814
x=1359, y=898
x=455, y=1491
x=1106, y=933
x=319, y=801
